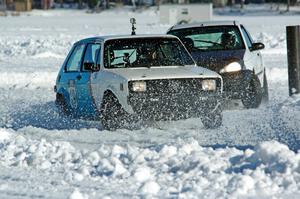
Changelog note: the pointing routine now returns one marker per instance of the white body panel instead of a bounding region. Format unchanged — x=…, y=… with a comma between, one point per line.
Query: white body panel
x=112, y=79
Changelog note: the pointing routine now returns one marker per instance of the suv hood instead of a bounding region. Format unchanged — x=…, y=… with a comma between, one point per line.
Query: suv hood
x=216, y=60
x=168, y=72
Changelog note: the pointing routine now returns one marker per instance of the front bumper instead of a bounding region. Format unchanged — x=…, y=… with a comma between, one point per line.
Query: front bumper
x=235, y=83
x=174, y=106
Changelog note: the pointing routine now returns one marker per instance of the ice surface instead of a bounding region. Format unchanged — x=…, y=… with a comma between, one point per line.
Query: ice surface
x=253, y=155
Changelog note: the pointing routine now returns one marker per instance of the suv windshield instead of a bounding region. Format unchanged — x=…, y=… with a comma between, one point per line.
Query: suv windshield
x=211, y=38
x=145, y=52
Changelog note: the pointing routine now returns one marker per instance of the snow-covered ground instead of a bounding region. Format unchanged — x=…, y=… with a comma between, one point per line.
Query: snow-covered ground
x=43, y=155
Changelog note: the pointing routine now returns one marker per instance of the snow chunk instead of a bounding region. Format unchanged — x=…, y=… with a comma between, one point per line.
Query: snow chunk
x=4, y=135
x=276, y=157
x=150, y=187
x=142, y=174
x=77, y=195
x=168, y=151
x=118, y=150
x=94, y=158
x=241, y=185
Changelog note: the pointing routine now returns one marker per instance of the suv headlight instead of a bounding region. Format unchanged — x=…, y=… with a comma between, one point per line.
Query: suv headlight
x=209, y=85
x=232, y=67
x=139, y=86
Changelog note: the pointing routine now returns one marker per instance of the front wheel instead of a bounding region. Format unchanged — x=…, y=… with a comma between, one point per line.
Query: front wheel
x=253, y=94
x=212, y=120
x=113, y=116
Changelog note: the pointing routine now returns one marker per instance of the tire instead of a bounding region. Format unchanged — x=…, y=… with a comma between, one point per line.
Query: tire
x=212, y=120
x=253, y=94
x=61, y=104
x=112, y=113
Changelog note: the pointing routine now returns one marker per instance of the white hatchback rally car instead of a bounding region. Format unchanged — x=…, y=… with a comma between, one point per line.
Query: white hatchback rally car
x=123, y=78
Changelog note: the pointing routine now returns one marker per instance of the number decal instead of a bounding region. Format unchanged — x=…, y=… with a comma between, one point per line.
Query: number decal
x=72, y=94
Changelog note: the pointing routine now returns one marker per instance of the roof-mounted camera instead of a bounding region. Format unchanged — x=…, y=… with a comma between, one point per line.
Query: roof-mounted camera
x=133, y=22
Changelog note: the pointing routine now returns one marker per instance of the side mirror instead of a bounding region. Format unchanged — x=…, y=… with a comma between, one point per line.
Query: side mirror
x=91, y=66
x=257, y=46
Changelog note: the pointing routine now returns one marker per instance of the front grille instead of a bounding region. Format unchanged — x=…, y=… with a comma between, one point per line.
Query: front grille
x=172, y=97
x=175, y=86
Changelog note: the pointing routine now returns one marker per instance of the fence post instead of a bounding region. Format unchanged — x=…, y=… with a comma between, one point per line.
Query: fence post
x=293, y=52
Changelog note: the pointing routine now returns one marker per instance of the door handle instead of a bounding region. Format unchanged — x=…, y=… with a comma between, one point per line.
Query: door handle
x=78, y=77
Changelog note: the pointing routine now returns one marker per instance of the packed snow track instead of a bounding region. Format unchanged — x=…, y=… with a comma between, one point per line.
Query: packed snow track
x=43, y=155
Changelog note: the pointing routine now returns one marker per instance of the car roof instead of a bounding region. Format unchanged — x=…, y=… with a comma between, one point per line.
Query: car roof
x=203, y=24
x=111, y=37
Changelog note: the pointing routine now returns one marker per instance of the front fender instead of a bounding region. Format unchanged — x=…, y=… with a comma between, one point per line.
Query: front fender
x=122, y=98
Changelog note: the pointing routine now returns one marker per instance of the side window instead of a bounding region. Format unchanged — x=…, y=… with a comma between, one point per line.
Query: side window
x=91, y=53
x=247, y=37
x=74, y=61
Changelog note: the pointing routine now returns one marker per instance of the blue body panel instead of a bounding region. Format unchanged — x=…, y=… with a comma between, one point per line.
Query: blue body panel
x=75, y=87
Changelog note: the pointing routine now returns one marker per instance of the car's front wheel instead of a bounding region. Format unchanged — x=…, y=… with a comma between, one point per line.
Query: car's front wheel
x=253, y=94
x=112, y=113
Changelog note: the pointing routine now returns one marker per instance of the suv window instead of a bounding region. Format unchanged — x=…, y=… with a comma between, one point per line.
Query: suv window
x=74, y=61
x=247, y=37
x=92, y=54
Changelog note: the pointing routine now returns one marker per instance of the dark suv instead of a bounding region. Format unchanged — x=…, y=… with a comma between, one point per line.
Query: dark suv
x=227, y=48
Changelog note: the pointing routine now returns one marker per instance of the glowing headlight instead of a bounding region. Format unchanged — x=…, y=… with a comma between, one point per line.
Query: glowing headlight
x=209, y=85
x=139, y=86
x=232, y=67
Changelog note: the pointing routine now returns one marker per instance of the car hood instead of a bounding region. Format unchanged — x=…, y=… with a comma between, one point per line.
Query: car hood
x=168, y=72
x=216, y=60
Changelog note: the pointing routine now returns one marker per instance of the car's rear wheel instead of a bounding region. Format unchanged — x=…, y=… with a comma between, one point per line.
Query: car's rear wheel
x=212, y=120
x=61, y=104
x=112, y=113
x=253, y=94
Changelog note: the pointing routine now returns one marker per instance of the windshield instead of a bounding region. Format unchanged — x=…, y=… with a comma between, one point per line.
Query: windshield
x=145, y=52
x=211, y=38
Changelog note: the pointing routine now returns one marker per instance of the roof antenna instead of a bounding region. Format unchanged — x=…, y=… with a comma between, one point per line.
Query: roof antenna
x=133, y=22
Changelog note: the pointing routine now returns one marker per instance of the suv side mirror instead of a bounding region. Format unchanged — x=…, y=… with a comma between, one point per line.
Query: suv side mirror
x=91, y=66
x=257, y=46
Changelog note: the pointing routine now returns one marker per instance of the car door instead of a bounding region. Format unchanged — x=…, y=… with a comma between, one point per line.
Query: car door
x=253, y=59
x=83, y=80
x=69, y=78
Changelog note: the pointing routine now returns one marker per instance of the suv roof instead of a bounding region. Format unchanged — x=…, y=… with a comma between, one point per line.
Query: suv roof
x=203, y=23
x=109, y=37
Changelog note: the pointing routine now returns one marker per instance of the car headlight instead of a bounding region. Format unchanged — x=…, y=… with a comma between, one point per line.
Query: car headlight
x=232, y=67
x=139, y=86
x=209, y=85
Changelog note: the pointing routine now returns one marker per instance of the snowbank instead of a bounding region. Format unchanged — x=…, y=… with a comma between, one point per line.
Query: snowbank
x=186, y=169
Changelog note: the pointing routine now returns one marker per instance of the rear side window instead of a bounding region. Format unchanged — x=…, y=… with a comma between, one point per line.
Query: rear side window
x=92, y=54
x=74, y=61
